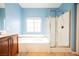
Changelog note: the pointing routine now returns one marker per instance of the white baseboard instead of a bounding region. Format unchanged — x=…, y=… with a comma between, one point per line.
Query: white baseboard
x=60, y=49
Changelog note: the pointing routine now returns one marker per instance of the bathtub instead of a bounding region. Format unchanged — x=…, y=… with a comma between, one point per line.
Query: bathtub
x=33, y=43
x=33, y=39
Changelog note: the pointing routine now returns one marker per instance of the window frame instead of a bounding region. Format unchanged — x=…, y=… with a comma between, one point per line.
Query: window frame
x=34, y=22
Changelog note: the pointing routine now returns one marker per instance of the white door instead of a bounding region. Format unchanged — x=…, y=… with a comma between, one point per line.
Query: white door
x=63, y=33
x=66, y=28
x=51, y=30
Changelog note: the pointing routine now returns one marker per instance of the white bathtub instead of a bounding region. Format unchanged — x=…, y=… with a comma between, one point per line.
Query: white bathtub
x=33, y=43
x=33, y=39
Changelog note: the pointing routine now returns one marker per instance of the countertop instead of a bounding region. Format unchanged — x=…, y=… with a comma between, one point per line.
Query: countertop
x=5, y=35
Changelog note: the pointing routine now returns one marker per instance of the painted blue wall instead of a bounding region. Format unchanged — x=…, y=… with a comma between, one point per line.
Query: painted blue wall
x=16, y=17
x=33, y=12
x=74, y=26
x=13, y=17
x=62, y=9
x=2, y=17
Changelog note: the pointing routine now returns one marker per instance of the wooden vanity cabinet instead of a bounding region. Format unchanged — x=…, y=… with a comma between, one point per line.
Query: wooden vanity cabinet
x=9, y=45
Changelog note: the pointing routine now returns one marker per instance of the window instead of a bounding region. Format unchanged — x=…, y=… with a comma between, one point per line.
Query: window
x=33, y=24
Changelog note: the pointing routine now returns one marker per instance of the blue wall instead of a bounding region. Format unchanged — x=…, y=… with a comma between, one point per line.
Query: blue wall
x=63, y=8
x=16, y=17
x=13, y=17
x=2, y=17
x=74, y=27
x=39, y=12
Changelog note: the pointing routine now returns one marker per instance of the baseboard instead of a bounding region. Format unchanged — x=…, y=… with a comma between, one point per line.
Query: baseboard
x=58, y=49
x=73, y=50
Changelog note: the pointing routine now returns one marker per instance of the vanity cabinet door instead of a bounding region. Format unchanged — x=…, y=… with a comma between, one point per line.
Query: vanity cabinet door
x=15, y=44
x=4, y=46
x=9, y=45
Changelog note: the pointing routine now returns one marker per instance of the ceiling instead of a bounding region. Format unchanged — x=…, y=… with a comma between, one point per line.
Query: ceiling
x=40, y=5
x=36, y=5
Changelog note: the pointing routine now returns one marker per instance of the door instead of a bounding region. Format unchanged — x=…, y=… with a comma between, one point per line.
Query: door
x=51, y=30
x=63, y=30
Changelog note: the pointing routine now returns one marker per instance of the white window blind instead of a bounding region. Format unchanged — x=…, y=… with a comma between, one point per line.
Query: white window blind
x=33, y=24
